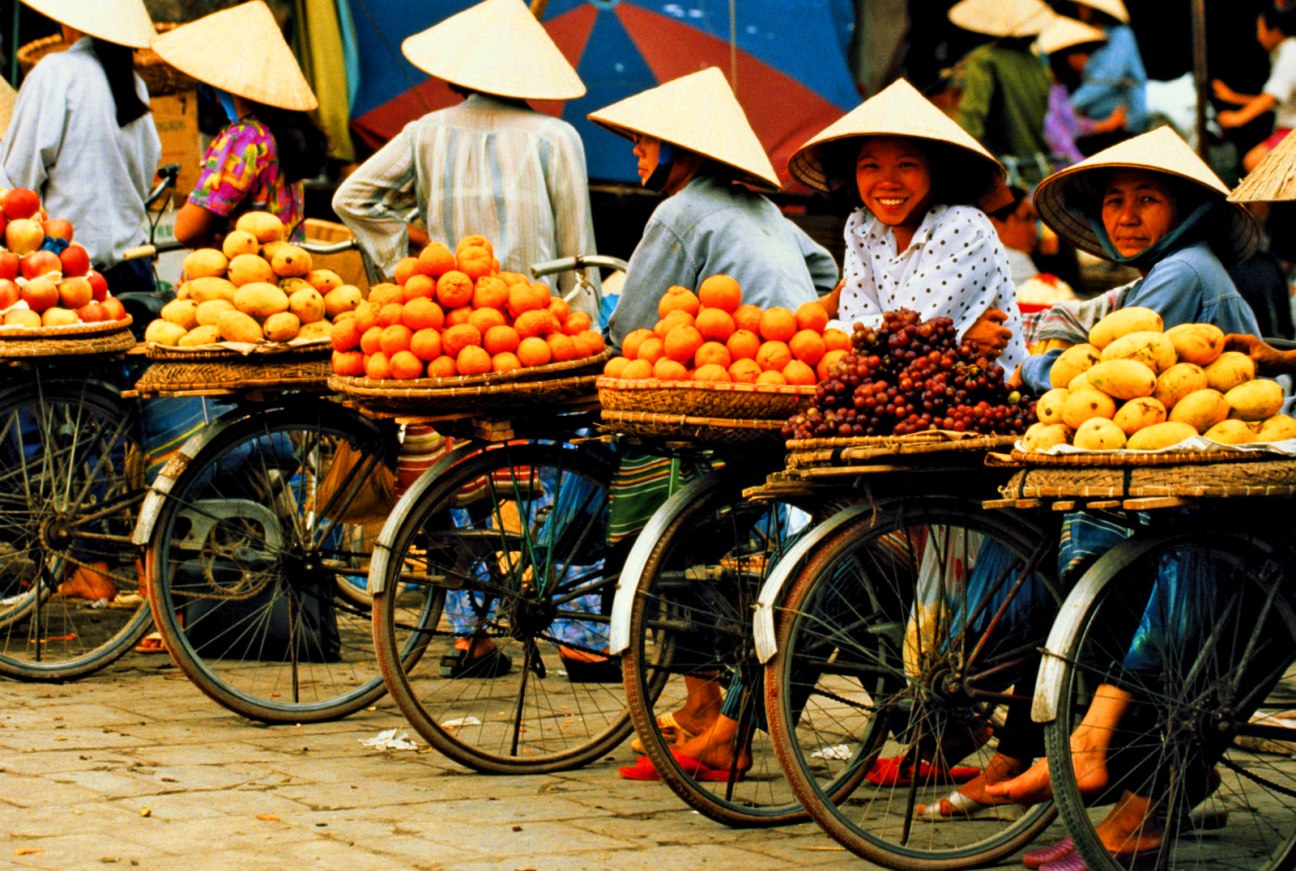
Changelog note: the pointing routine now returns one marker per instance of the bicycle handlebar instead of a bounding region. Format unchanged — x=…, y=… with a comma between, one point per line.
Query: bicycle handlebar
x=168, y=175
x=330, y=247
x=580, y=261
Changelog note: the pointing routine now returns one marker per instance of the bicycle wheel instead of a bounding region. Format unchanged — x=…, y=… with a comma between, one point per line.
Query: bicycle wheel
x=247, y=559
x=1197, y=630
x=508, y=546
x=70, y=483
x=691, y=652
x=907, y=645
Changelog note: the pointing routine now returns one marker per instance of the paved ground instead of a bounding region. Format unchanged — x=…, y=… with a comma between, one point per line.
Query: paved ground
x=135, y=767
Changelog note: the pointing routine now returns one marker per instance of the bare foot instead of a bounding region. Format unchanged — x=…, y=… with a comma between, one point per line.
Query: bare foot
x=714, y=746
x=89, y=583
x=702, y=706
x=1000, y=769
x=1130, y=826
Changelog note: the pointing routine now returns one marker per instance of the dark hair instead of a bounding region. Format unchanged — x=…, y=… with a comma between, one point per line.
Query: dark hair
x=1062, y=70
x=1005, y=212
x=118, y=62
x=1283, y=20
x=302, y=146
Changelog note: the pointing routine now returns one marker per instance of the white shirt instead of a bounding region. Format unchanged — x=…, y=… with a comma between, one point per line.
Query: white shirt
x=64, y=143
x=1281, y=84
x=954, y=267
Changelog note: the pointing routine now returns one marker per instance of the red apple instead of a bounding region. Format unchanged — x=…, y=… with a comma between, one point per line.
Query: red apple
x=114, y=308
x=39, y=262
x=75, y=292
x=92, y=313
x=58, y=317
x=98, y=284
x=40, y=294
x=24, y=235
x=75, y=260
x=9, y=293
x=20, y=203
x=59, y=228
x=9, y=264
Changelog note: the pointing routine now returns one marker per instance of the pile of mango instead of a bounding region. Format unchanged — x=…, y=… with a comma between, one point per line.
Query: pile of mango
x=257, y=288
x=1136, y=386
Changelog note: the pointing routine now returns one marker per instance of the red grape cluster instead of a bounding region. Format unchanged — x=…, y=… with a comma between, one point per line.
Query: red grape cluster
x=907, y=376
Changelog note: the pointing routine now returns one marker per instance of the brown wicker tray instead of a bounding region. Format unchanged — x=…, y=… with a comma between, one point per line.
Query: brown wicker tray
x=683, y=427
x=804, y=453
x=159, y=77
x=1123, y=459
x=1269, y=477
x=412, y=397
x=264, y=350
x=106, y=337
x=705, y=399
x=218, y=377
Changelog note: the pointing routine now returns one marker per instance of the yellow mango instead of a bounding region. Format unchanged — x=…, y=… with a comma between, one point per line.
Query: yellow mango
x=1231, y=432
x=1042, y=436
x=1160, y=435
x=204, y=262
x=1153, y=349
x=1080, y=382
x=1278, y=428
x=1081, y=405
x=210, y=311
x=161, y=332
x=342, y=299
x=1099, y=434
x=1201, y=409
x=1255, y=400
x=203, y=289
x=1122, y=379
x=206, y=335
x=260, y=299
x=239, y=242
x=1048, y=408
x=181, y=311
x=281, y=327
x=306, y=304
x=324, y=280
x=1178, y=381
x=1131, y=319
x=291, y=261
x=1229, y=370
x=316, y=330
x=1139, y=412
x=236, y=326
x=263, y=225
x=1196, y=343
x=1072, y=362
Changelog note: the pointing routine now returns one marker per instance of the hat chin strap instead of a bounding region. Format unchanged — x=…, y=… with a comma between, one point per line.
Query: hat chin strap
x=1158, y=249
x=656, y=181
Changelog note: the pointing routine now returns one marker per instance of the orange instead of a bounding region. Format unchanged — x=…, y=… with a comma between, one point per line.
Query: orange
x=377, y=366
x=712, y=352
x=366, y=315
x=474, y=261
x=745, y=370
x=807, y=346
x=812, y=316
x=437, y=258
x=391, y=313
x=419, y=286
x=651, y=349
x=589, y=343
x=442, y=367
x=798, y=372
x=348, y=363
x=559, y=307
x=500, y=339
x=836, y=340
x=345, y=335
x=422, y=313
x=720, y=291
x=426, y=344
x=748, y=317
x=474, y=240
x=457, y=316
x=715, y=323
x=743, y=345
x=490, y=292
x=561, y=347
x=612, y=368
x=473, y=360
x=512, y=278
x=667, y=369
x=394, y=338
x=777, y=324
x=534, y=351
x=537, y=322
x=527, y=297
x=711, y=372
x=369, y=340
x=454, y=289
x=770, y=376
x=485, y=318
x=630, y=344
x=405, y=366
x=828, y=361
x=458, y=337
x=637, y=370
x=407, y=268
x=774, y=355
x=682, y=342
x=505, y=361
x=576, y=322
x=672, y=320
x=385, y=292
x=680, y=298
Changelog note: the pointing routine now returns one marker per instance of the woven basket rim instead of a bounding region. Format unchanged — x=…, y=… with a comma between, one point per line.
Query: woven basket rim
x=218, y=351
x=612, y=416
x=68, y=331
x=951, y=437
x=608, y=383
x=358, y=387
x=526, y=373
x=1149, y=458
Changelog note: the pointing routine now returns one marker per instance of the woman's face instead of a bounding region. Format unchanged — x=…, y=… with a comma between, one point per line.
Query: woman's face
x=648, y=151
x=894, y=180
x=1138, y=208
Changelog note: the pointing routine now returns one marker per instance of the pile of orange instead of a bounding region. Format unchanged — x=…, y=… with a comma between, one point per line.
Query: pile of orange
x=711, y=335
x=455, y=313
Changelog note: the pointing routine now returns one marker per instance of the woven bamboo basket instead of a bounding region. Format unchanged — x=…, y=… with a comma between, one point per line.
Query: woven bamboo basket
x=159, y=77
x=74, y=340
x=705, y=399
x=1264, y=478
x=810, y=453
x=1124, y=459
x=259, y=353
x=683, y=427
x=208, y=377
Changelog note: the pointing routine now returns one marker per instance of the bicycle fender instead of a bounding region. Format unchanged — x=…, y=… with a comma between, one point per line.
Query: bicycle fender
x=637, y=559
x=781, y=575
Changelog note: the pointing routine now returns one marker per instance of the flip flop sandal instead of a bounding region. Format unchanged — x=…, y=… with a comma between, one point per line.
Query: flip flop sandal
x=1036, y=858
x=643, y=769
x=151, y=643
x=966, y=807
x=887, y=772
x=673, y=733
x=491, y=665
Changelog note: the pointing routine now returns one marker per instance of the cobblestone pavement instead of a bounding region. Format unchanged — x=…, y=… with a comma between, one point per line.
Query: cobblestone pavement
x=133, y=766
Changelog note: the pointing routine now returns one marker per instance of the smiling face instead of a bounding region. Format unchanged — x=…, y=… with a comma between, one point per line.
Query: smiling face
x=894, y=180
x=1138, y=208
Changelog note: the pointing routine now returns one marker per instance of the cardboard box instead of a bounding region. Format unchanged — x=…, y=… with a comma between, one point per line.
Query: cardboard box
x=176, y=117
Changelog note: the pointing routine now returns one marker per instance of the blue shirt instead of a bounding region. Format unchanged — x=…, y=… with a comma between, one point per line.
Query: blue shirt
x=1187, y=286
x=1113, y=76
x=710, y=227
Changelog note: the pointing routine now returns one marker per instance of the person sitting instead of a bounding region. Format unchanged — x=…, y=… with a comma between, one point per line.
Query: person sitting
x=1276, y=33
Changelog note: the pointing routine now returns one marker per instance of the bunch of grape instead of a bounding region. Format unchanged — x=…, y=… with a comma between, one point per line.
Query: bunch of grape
x=907, y=376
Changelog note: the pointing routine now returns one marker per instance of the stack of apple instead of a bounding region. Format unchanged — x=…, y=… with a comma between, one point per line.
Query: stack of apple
x=257, y=288
x=451, y=313
x=41, y=288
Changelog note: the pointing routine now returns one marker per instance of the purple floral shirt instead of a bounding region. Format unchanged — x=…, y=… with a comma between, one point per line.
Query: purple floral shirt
x=241, y=173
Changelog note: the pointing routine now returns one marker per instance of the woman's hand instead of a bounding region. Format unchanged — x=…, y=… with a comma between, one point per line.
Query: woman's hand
x=1268, y=359
x=1014, y=381
x=989, y=334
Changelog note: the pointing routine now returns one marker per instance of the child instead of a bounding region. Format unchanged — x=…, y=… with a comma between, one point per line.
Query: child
x=1274, y=31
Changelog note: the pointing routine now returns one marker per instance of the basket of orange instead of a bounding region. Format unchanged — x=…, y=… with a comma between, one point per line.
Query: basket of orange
x=452, y=333
x=715, y=369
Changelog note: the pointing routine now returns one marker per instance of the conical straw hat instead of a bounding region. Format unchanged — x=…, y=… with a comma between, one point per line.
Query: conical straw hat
x=125, y=22
x=1066, y=33
x=1115, y=8
x=1070, y=198
x=1274, y=178
x=527, y=65
x=262, y=69
x=1002, y=17
x=897, y=110
x=698, y=112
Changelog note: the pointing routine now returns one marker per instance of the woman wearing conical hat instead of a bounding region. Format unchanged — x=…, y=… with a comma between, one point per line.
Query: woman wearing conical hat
x=694, y=143
x=82, y=137
x=913, y=241
x=1113, y=76
x=258, y=162
x=490, y=165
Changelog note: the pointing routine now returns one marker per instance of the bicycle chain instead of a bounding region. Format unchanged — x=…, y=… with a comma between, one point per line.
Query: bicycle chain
x=1256, y=778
